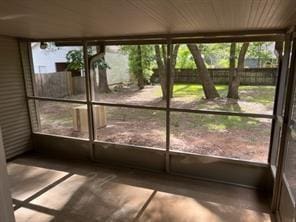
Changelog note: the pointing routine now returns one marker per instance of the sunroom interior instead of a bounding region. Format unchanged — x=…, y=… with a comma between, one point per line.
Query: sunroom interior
x=79, y=141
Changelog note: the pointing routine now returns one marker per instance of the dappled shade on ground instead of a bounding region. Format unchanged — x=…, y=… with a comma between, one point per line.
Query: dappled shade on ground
x=253, y=99
x=227, y=136
x=134, y=127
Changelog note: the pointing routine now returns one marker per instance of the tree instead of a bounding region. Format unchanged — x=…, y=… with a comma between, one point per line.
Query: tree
x=262, y=52
x=140, y=73
x=161, y=60
x=76, y=62
x=234, y=74
x=206, y=81
x=184, y=58
x=140, y=62
x=102, y=67
x=215, y=54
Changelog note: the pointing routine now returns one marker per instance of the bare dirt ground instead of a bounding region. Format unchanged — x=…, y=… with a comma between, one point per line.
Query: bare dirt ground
x=238, y=137
x=149, y=96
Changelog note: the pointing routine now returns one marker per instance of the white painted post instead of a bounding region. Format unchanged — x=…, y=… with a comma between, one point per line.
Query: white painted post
x=6, y=209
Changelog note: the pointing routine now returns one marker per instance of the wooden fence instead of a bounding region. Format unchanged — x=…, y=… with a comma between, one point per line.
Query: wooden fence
x=78, y=85
x=59, y=84
x=250, y=76
x=62, y=84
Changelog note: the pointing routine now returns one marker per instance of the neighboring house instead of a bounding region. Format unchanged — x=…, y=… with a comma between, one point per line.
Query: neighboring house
x=118, y=62
x=53, y=59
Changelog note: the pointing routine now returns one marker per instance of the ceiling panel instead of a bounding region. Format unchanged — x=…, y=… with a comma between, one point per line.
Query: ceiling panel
x=98, y=18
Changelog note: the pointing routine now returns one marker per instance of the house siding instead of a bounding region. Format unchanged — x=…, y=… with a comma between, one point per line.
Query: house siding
x=14, y=118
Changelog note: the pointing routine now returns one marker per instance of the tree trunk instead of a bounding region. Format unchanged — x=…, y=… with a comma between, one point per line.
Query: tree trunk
x=232, y=73
x=161, y=71
x=234, y=77
x=173, y=65
x=278, y=50
x=140, y=74
x=162, y=66
x=206, y=81
x=103, y=81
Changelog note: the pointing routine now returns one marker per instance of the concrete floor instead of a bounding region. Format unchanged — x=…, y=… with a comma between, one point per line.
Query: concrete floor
x=45, y=189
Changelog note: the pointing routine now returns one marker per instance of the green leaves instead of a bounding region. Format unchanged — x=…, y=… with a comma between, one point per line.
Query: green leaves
x=147, y=62
x=75, y=60
x=184, y=58
x=101, y=64
x=216, y=55
x=263, y=52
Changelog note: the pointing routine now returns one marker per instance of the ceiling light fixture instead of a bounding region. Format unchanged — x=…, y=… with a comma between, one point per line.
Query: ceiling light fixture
x=43, y=45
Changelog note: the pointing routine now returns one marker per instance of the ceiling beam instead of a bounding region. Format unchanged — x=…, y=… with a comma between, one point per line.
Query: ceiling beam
x=159, y=37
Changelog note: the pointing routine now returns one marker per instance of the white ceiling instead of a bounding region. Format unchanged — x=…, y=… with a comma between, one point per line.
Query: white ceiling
x=98, y=18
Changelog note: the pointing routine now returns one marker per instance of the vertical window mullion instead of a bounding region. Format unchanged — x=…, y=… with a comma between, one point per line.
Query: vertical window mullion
x=288, y=103
x=33, y=83
x=278, y=102
x=168, y=100
x=89, y=99
x=26, y=87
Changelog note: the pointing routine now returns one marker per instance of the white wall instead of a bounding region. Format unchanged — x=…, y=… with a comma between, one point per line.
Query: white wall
x=44, y=59
x=118, y=71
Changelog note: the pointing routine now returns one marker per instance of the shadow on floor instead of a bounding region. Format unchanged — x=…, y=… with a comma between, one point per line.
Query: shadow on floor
x=80, y=191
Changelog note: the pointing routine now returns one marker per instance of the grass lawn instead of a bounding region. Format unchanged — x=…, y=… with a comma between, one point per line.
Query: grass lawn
x=253, y=99
x=216, y=123
x=258, y=94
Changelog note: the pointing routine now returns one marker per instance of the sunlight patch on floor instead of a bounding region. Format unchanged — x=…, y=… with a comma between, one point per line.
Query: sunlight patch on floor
x=27, y=215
